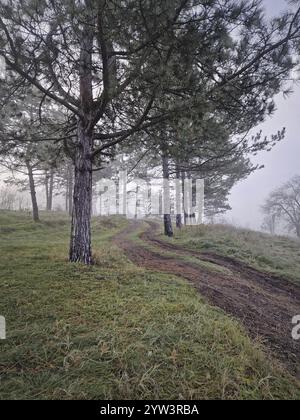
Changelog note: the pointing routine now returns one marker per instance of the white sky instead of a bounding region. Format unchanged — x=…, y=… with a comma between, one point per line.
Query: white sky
x=281, y=163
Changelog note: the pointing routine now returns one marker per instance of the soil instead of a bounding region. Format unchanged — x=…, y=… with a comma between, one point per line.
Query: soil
x=263, y=303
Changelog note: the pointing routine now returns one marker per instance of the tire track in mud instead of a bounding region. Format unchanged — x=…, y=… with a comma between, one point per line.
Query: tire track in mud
x=264, y=304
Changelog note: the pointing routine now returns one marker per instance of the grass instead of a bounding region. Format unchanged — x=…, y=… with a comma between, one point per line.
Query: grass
x=277, y=255
x=115, y=331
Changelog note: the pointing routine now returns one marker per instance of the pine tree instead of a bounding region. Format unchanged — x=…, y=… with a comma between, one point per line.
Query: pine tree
x=114, y=66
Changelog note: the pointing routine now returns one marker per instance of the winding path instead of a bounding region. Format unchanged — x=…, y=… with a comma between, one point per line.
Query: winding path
x=264, y=304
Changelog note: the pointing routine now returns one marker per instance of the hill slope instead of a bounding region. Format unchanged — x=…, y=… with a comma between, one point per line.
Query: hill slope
x=116, y=330
x=264, y=303
x=277, y=255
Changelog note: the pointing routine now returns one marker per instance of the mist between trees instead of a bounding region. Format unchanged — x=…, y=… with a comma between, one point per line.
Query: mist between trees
x=176, y=85
x=130, y=197
x=141, y=198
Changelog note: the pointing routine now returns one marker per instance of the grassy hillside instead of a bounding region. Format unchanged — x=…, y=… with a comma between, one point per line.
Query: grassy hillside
x=278, y=255
x=115, y=330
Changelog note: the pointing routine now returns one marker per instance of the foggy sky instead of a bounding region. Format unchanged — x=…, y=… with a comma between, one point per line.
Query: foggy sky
x=281, y=163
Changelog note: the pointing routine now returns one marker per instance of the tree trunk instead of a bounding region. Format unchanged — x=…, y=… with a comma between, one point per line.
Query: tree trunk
x=192, y=197
x=80, y=247
x=136, y=203
x=178, y=196
x=273, y=224
x=47, y=189
x=167, y=214
x=67, y=197
x=183, y=192
x=51, y=188
x=168, y=226
x=179, y=221
x=49, y=185
x=35, y=208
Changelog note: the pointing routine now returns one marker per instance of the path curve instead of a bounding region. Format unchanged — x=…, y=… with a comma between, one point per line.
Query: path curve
x=264, y=304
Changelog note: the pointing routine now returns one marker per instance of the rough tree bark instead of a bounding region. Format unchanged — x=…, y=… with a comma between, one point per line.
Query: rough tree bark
x=168, y=228
x=80, y=248
x=80, y=244
x=35, y=208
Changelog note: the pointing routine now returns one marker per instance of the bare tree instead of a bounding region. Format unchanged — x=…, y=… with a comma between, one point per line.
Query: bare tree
x=284, y=203
x=269, y=224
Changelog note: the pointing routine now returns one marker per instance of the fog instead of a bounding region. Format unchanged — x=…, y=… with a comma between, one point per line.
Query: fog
x=281, y=163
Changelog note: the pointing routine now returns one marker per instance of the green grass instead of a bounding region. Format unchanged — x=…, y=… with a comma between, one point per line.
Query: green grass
x=115, y=330
x=278, y=255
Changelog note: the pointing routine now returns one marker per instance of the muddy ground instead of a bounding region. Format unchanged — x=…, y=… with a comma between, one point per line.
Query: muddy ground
x=263, y=303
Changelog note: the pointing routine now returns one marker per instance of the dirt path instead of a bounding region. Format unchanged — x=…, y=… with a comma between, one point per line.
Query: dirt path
x=264, y=304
